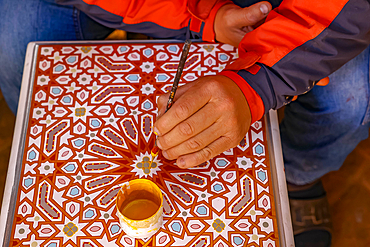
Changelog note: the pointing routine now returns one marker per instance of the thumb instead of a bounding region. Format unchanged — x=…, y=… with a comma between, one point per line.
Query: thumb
x=251, y=15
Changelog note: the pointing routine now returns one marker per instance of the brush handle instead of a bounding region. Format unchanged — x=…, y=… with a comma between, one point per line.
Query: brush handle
x=154, y=152
x=180, y=68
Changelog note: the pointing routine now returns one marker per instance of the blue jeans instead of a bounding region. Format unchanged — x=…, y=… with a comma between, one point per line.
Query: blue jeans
x=323, y=126
x=36, y=20
x=319, y=130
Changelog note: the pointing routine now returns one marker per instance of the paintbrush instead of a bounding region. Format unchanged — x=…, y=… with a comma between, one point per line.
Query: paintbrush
x=185, y=51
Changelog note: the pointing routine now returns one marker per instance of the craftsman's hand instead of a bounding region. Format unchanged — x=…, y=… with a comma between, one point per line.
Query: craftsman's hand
x=209, y=116
x=232, y=22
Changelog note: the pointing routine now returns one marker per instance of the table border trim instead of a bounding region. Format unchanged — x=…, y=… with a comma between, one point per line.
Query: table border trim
x=16, y=154
x=286, y=238
x=17, y=150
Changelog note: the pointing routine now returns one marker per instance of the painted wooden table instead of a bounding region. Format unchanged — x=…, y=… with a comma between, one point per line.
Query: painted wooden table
x=84, y=128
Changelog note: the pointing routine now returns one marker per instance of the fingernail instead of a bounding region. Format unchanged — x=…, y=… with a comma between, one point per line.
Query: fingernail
x=159, y=113
x=181, y=163
x=155, y=131
x=164, y=153
x=159, y=144
x=264, y=9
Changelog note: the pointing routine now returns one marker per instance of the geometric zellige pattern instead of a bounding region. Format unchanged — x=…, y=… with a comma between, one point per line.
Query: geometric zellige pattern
x=90, y=130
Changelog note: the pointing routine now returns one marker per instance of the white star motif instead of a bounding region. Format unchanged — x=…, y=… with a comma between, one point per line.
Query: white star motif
x=21, y=231
x=114, y=57
x=253, y=213
x=147, y=67
x=199, y=69
x=135, y=113
x=95, y=87
x=89, y=198
x=202, y=195
x=111, y=120
x=57, y=58
x=33, y=242
x=244, y=162
x=213, y=174
x=184, y=213
x=86, y=51
x=226, y=229
x=155, y=111
x=78, y=233
x=47, y=51
x=72, y=87
x=43, y=80
x=147, y=89
x=255, y=237
x=175, y=58
x=48, y=121
x=81, y=155
x=84, y=79
x=140, y=170
x=93, y=135
x=107, y=215
x=79, y=177
x=210, y=73
x=80, y=111
x=96, y=70
x=74, y=71
x=35, y=219
x=137, y=47
x=209, y=49
x=266, y=225
x=50, y=103
x=220, y=68
x=46, y=168
x=38, y=113
x=158, y=47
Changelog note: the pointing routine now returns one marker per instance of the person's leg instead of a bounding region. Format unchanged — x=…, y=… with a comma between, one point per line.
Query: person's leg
x=21, y=23
x=36, y=20
x=319, y=130
x=323, y=126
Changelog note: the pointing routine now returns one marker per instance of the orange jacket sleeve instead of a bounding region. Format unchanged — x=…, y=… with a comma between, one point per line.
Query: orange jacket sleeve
x=300, y=43
x=159, y=19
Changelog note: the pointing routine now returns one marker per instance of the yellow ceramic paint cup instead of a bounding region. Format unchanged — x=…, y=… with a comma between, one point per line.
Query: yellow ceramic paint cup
x=140, y=208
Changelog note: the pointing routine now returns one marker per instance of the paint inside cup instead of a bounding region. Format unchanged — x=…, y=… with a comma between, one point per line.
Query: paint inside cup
x=139, y=200
x=140, y=205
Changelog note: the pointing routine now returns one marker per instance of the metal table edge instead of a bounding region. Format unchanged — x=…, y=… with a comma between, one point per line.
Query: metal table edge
x=285, y=230
x=16, y=156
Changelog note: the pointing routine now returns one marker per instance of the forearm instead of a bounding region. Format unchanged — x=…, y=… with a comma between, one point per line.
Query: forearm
x=159, y=19
x=300, y=43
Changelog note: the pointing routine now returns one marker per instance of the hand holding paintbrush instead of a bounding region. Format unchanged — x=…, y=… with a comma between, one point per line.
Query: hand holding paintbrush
x=154, y=152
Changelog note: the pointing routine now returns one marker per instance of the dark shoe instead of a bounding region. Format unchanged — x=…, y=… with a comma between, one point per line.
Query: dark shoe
x=309, y=209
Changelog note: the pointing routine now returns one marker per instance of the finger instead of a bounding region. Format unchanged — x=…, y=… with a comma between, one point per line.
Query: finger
x=218, y=146
x=190, y=127
x=251, y=15
x=163, y=99
x=185, y=106
x=195, y=143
